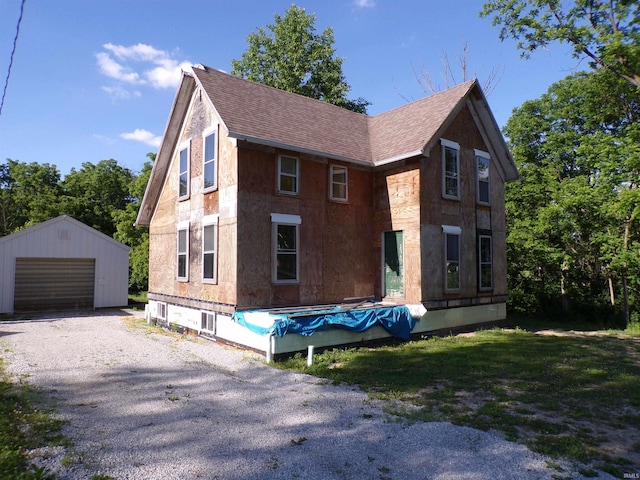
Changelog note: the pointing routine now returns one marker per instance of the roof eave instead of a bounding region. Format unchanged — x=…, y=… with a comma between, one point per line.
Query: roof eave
x=167, y=146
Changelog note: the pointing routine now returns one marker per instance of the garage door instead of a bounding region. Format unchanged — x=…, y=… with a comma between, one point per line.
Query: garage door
x=54, y=283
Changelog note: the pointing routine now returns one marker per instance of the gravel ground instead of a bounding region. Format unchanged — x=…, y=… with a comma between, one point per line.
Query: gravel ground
x=143, y=405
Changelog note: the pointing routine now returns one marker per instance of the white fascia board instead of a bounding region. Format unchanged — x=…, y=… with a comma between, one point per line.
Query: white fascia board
x=398, y=158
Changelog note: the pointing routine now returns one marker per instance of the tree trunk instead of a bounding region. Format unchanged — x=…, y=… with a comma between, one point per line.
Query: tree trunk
x=612, y=294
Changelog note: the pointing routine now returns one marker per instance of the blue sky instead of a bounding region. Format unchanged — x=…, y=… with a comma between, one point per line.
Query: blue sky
x=95, y=79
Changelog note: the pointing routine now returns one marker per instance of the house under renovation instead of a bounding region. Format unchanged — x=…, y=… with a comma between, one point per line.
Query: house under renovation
x=278, y=221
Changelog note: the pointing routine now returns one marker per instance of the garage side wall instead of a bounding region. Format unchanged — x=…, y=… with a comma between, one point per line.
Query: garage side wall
x=67, y=238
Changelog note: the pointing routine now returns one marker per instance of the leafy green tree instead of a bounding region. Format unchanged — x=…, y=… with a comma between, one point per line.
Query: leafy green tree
x=136, y=237
x=29, y=194
x=289, y=55
x=573, y=224
x=606, y=31
x=94, y=193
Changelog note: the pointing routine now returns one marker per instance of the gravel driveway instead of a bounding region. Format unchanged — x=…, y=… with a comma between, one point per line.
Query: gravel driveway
x=144, y=405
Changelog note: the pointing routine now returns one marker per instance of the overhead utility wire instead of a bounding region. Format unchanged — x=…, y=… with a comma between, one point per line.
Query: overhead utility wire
x=15, y=42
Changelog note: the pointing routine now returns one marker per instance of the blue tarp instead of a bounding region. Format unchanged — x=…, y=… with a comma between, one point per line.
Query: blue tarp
x=395, y=319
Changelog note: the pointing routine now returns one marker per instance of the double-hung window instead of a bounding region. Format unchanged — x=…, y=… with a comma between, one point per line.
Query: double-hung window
x=450, y=169
x=288, y=175
x=452, y=257
x=210, y=160
x=485, y=262
x=183, y=184
x=286, y=250
x=209, y=248
x=338, y=183
x=482, y=174
x=183, y=252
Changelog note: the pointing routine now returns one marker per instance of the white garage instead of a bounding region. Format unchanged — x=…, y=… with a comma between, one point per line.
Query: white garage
x=62, y=264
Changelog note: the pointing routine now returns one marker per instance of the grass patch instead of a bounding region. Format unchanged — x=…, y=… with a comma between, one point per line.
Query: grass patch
x=574, y=395
x=24, y=427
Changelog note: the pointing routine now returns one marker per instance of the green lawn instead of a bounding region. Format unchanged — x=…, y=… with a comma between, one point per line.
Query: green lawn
x=564, y=394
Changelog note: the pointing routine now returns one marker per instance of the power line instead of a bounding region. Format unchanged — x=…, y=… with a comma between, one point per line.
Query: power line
x=15, y=42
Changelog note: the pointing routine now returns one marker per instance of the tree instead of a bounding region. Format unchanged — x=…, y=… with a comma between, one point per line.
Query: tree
x=29, y=194
x=574, y=220
x=95, y=192
x=429, y=86
x=606, y=31
x=136, y=237
x=289, y=55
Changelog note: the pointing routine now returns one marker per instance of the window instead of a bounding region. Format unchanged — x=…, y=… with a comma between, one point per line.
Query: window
x=482, y=166
x=338, y=179
x=209, y=160
x=286, y=258
x=209, y=248
x=183, y=187
x=288, y=175
x=208, y=322
x=450, y=169
x=183, y=252
x=485, y=262
x=161, y=309
x=452, y=257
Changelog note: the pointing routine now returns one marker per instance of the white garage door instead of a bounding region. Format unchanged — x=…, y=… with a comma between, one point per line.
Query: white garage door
x=54, y=284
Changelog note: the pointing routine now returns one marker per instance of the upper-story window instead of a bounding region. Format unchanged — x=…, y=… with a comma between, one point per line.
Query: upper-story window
x=210, y=160
x=288, y=171
x=338, y=186
x=482, y=175
x=183, y=186
x=450, y=169
x=183, y=252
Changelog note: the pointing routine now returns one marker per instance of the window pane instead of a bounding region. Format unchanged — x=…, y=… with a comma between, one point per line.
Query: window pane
x=339, y=191
x=182, y=266
x=184, y=160
x=453, y=275
x=286, y=238
x=483, y=191
x=209, y=238
x=183, y=185
x=286, y=267
x=288, y=165
x=209, y=175
x=207, y=265
x=453, y=250
x=339, y=175
x=485, y=249
x=451, y=186
x=209, y=146
x=451, y=161
x=485, y=276
x=182, y=241
x=288, y=184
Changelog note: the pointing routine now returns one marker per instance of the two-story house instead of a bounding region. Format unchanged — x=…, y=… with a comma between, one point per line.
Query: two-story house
x=266, y=206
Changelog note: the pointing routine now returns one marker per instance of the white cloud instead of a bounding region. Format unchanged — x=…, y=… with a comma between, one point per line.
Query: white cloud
x=118, y=92
x=364, y=3
x=139, y=64
x=144, y=136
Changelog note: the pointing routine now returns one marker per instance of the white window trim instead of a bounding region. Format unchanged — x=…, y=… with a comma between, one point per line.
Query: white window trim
x=212, y=130
x=451, y=230
x=182, y=226
x=332, y=169
x=485, y=155
x=454, y=146
x=480, y=262
x=208, y=221
x=161, y=310
x=297, y=175
x=284, y=219
x=204, y=314
x=185, y=146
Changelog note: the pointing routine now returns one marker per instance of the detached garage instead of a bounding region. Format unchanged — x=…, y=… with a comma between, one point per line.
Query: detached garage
x=62, y=264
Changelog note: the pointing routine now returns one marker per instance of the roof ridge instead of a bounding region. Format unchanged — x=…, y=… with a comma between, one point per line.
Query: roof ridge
x=265, y=86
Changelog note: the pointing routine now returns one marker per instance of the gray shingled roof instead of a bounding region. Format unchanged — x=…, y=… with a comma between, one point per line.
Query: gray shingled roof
x=257, y=112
